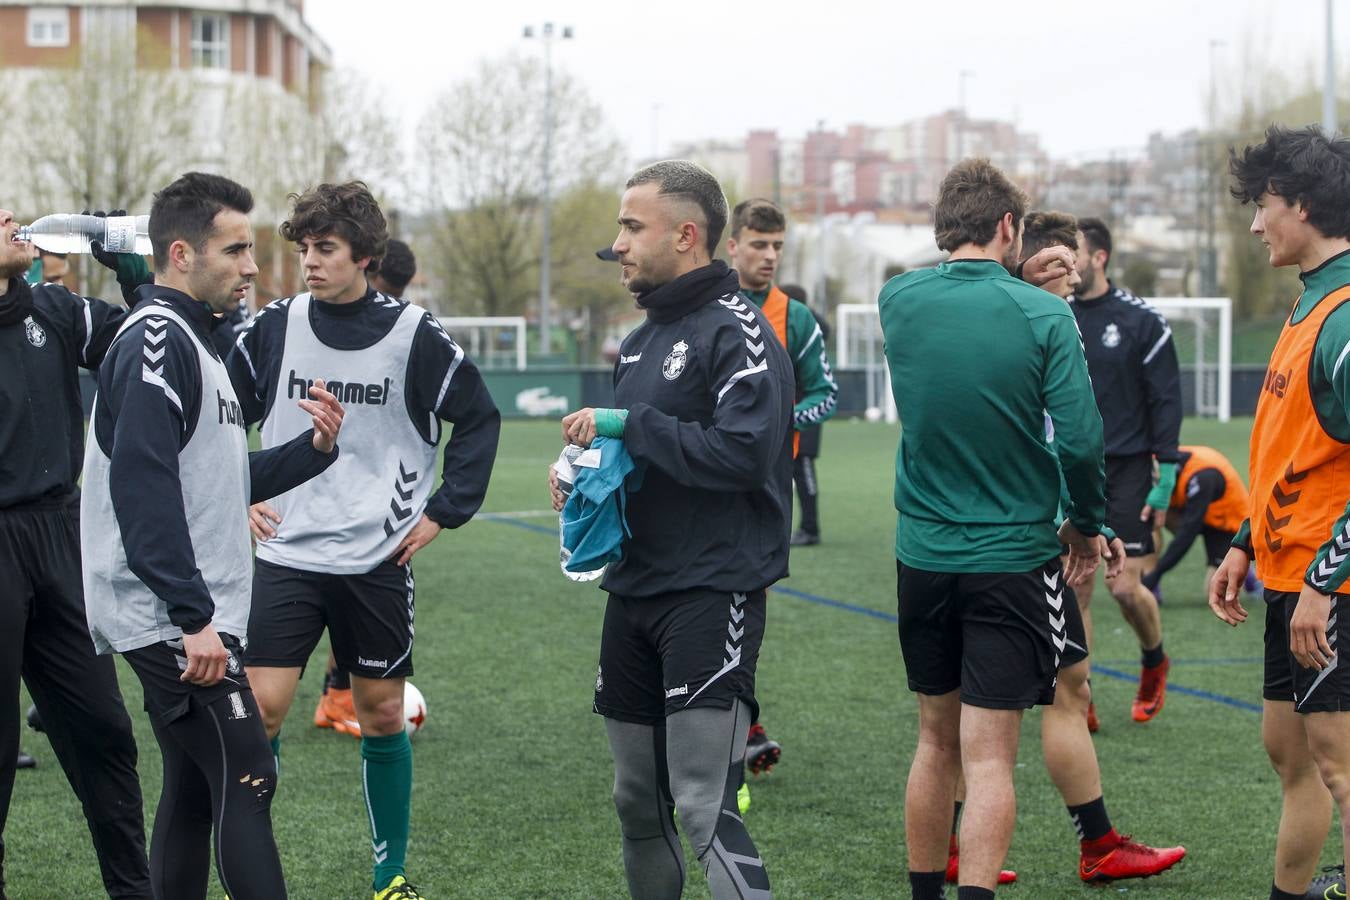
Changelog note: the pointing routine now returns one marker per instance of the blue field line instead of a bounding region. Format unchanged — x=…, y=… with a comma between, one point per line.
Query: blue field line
x=1174, y=688
x=837, y=604
x=1216, y=661
x=546, y=529
x=1097, y=668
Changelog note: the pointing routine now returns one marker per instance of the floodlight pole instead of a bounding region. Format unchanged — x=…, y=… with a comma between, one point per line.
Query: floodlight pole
x=545, y=257
x=1329, y=79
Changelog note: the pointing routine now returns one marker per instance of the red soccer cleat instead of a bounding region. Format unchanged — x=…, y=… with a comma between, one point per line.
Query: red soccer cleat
x=1005, y=876
x=1092, y=721
x=1152, y=691
x=1115, y=856
x=761, y=752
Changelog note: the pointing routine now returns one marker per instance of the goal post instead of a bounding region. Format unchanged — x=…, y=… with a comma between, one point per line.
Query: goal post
x=494, y=342
x=1202, y=331
x=860, y=344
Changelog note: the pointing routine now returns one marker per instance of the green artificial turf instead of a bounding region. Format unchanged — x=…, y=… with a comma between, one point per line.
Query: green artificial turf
x=511, y=795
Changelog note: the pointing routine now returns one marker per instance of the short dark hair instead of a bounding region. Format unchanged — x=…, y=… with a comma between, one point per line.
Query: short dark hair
x=759, y=215
x=397, y=267
x=973, y=198
x=186, y=211
x=1043, y=229
x=689, y=181
x=795, y=291
x=348, y=210
x=1097, y=235
x=1302, y=165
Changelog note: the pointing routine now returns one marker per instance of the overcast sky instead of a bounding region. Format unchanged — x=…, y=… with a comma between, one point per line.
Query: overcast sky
x=1088, y=77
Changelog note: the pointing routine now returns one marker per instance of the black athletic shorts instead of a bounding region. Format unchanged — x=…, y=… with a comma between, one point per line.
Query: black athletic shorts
x=1075, y=633
x=1310, y=690
x=659, y=655
x=998, y=637
x=1217, y=545
x=369, y=618
x=167, y=697
x=1128, y=481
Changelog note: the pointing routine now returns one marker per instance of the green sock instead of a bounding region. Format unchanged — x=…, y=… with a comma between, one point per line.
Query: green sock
x=276, y=753
x=386, y=776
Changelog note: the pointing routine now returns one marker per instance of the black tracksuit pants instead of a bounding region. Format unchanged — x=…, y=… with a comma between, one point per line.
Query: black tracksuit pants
x=44, y=637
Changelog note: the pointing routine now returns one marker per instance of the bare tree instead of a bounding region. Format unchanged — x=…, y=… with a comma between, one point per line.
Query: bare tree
x=482, y=147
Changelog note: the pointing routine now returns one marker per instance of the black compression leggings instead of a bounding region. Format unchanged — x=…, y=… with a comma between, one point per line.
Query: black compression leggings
x=219, y=774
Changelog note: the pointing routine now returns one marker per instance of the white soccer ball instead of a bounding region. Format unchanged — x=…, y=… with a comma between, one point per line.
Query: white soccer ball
x=414, y=709
x=872, y=414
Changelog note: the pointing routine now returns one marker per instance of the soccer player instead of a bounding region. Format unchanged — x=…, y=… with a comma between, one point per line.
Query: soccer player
x=808, y=449
x=336, y=709
x=704, y=404
x=980, y=586
x=1209, y=501
x=167, y=483
x=46, y=333
x=335, y=553
x=1136, y=380
x=1298, y=526
x=755, y=247
x=1066, y=742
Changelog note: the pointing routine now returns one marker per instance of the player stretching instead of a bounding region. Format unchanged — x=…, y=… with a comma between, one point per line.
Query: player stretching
x=1298, y=527
x=1135, y=377
x=335, y=552
x=1210, y=501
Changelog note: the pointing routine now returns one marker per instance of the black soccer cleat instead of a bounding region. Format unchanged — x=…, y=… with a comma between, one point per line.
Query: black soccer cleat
x=1330, y=885
x=34, y=719
x=761, y=753
x=803, y=539
x=25, y=761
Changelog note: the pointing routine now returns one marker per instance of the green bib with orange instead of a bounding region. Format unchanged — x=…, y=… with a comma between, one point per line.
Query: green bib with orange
x=1300, y=474
x=1226, y=513
x=775, y=309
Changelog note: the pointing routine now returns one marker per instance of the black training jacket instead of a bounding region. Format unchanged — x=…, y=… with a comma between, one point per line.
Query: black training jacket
x=709, y=392
x=46, y=332
x=1133, y=364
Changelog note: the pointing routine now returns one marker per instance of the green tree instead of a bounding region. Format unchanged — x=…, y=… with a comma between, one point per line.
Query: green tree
x=483, y=149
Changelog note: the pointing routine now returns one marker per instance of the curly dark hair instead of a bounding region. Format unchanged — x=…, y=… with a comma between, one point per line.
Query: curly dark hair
x=348, y=210
x=974, y=197
x=1302, y=165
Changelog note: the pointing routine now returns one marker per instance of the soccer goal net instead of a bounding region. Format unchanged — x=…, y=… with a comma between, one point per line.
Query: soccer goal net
x=860, y=345
x=1202, y=330
x=494, y=342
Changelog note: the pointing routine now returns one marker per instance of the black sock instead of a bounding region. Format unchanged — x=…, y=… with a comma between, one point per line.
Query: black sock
x=1277, y=894
x=965, y=892
x=1153, y=657
x=1090, y=819
x=956, y=818
x=340, y=679
x=927, y=885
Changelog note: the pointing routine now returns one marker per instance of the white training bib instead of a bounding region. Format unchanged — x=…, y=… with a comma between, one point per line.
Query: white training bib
x=123, y=613
x=350, y=518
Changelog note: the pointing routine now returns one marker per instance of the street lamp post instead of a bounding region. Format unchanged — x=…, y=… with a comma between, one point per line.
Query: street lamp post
x=1329, y=80
x=547, y=35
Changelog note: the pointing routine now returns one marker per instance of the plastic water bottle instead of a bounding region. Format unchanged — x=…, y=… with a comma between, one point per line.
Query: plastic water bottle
x=567, y=477
x=70, y=233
